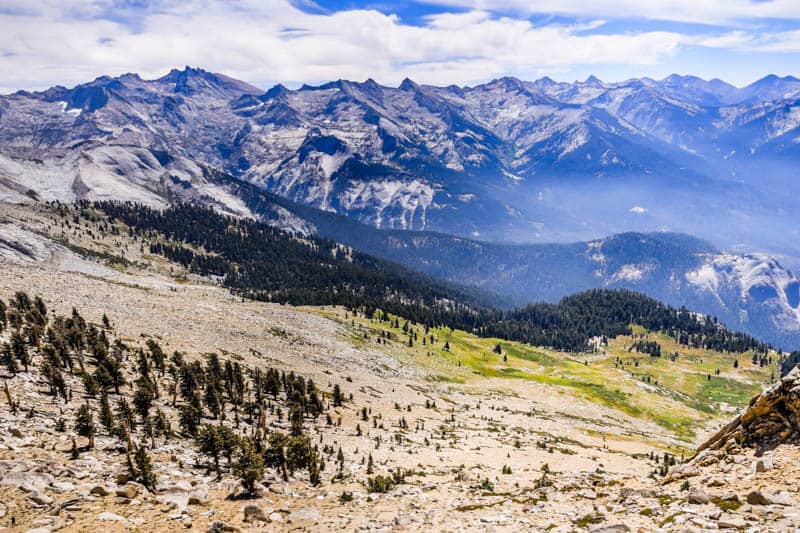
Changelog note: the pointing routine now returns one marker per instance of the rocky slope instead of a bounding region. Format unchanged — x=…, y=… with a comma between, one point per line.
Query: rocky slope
x=491, y=453
x=772, y=419
x=748, y=467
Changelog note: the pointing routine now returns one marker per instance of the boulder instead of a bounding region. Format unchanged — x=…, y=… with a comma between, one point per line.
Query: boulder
x=762, y=465
x=615, y=528
x=773, y=417
x=111, y=517
x=127, y=491
x=305, y=513
x=254, y=513
x=99, y=490
x=28, y=481
x=40, y=499
x=198, y=496
x=218, y=526
x=757, y=498
x=628, y=492
x=732, y=522
x=698, y=496
x=174, y=500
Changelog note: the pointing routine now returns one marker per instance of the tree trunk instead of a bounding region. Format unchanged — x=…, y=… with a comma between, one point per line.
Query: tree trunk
x=8, y=397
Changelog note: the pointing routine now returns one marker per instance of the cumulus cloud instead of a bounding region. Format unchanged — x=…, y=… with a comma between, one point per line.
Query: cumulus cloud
x=268, y=41
x=70, y=41
x=694, y=11
x=638, y=210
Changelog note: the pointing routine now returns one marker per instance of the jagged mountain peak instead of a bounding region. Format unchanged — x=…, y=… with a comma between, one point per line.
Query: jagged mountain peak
x=675, y=78
x=190, y=81
x=408, y=85
x=175, y=75
x=279, y=90
x=593, y=80
x=507, y=81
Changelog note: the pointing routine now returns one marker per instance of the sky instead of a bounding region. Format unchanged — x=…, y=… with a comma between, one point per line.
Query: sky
x=464, y=42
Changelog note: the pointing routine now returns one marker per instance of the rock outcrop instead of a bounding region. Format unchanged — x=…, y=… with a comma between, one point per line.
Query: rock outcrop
x=771, y=419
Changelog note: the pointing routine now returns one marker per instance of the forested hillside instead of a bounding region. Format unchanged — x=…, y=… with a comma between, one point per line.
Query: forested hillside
x=261, y=262
x=670, y=267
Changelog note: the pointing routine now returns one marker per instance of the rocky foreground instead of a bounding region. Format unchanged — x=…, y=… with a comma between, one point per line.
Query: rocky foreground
x=745, y=478
x=492, y=454
x=749, y=470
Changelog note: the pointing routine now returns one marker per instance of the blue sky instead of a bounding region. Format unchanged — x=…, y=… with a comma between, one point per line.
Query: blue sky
x=48, y=42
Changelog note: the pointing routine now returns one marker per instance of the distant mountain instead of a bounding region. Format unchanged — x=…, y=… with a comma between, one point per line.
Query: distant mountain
x=748, y=292
x=768, y=88
x=751, y=292
x=509, y=159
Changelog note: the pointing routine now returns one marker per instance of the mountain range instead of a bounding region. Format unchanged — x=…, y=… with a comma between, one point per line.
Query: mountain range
x=510, y=160
x=419, y=173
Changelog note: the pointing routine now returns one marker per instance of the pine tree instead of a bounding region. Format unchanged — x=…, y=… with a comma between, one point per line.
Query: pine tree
x=209, y=440
x=298, y=453
x=337, y=395
x=191, y=414
x=315, y=466
x=8, y=359
x=84, y=423
x=19, y=350
x=249, y=465
x=275, y=453
x=143, y=469
x=143, y=397
x=106, y=416
x=125, y=414
x=296, y=421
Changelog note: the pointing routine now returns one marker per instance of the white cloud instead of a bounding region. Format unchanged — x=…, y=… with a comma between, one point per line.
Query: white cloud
x=261, y=42
x=638, y=210
x=696, y=11
x=788, y=41
x=784, y=41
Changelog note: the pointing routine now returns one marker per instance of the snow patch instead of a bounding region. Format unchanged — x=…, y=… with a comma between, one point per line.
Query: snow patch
x=756, y=278
x=632, y=272
x=705, y=278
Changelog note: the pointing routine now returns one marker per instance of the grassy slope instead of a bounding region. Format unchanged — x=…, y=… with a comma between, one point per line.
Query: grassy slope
x=679, y=396
x=683, y=401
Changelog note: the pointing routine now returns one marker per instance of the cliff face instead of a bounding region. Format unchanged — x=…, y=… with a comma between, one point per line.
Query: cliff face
x=771, y=419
